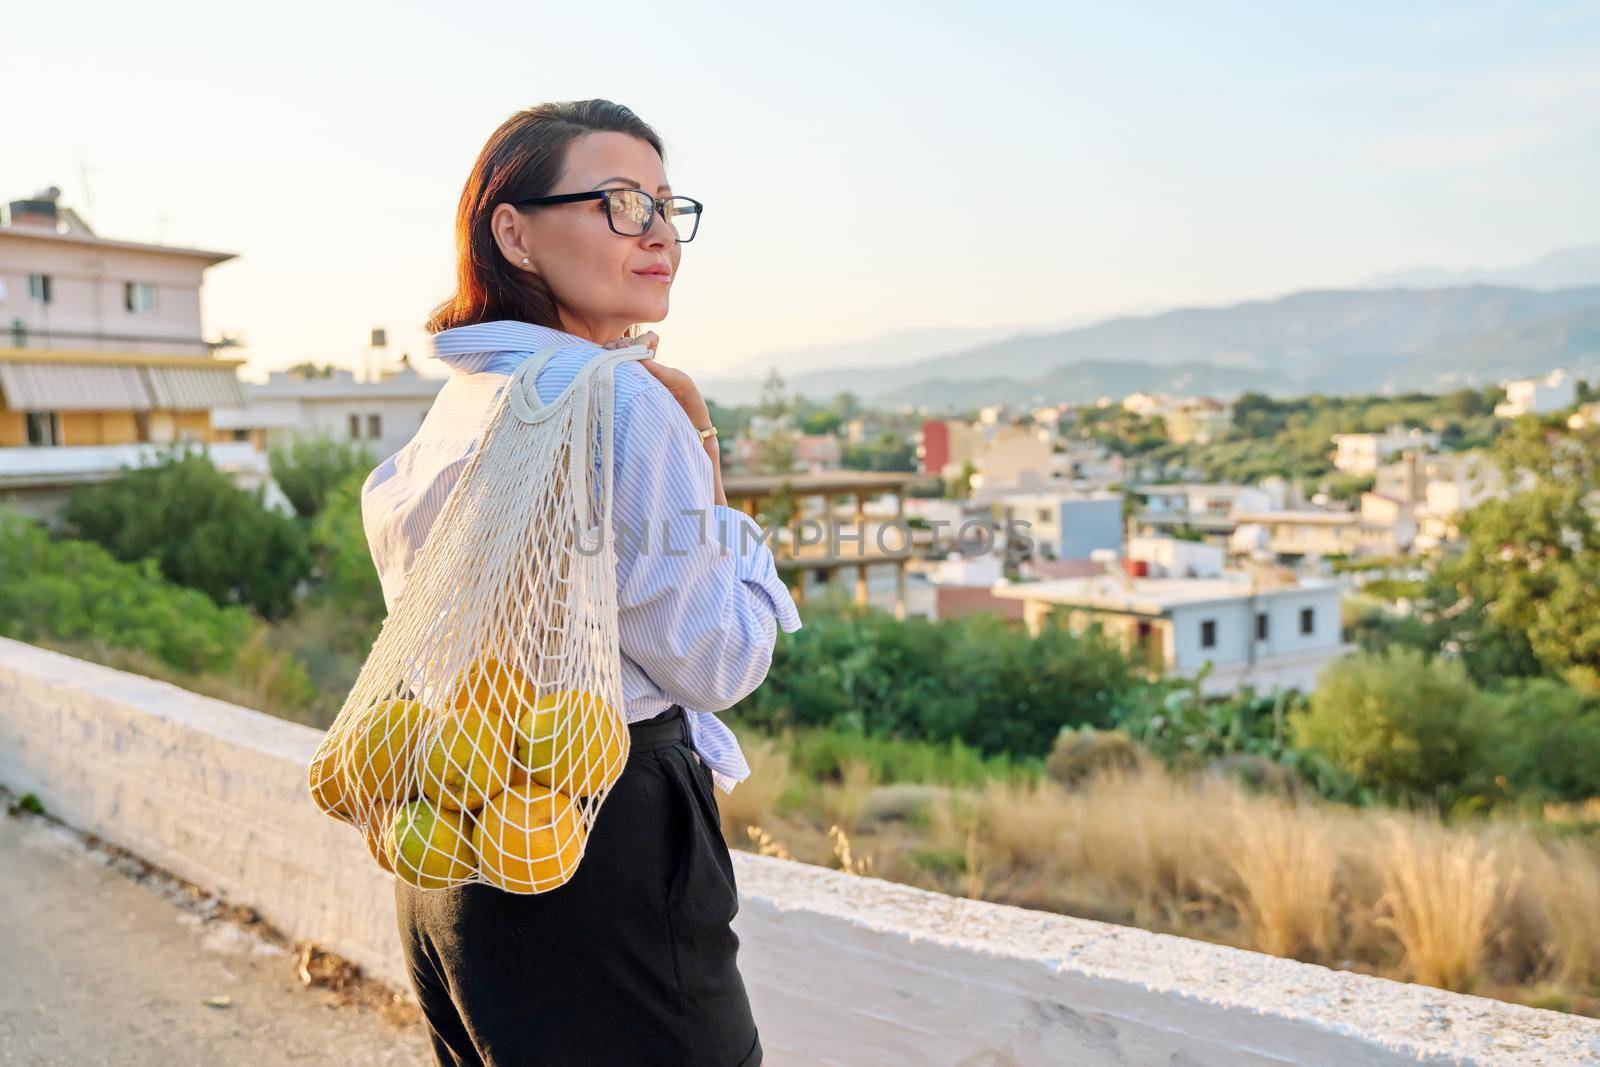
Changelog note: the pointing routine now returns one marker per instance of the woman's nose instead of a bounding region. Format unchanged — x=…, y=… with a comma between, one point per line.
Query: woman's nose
x=660, y=232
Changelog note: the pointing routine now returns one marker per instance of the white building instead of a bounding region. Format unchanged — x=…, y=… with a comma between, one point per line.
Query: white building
x=382, y=415
x=1085, y=466
x=1456, y=484
x=1364, y=453
x=1013, y=459
x=1538, y=396
x=1064, y=525
x=1188, y=419
x=1266, y=631
x=1172, y=557
x=1382, y=527
x=1208, y=509
x=104, y=360
x=1144, y=405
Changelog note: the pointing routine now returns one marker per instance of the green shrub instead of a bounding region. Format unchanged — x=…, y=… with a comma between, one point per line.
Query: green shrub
x=201, y=529
x=1547, y=739
x=1080, y=754
x=310, y=469
x=976, y=680
x=346, y=577
x=821, y=753
x=1405, y=726
x=75, y=591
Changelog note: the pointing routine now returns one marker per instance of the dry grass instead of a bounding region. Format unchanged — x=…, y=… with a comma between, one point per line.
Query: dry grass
x=754, y=800
x=1442, y=892
x=843, y=803
x=1489, y=906
x=1286, y=869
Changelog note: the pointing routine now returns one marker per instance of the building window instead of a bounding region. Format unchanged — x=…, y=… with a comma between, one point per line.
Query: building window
x=139, y=297
x=355, y=427
x=40, y=289
x=1044, y=514
x=1208, y=633
x=1308, y=621
x=374, y=426
x=1261, y=626
x=44, y=428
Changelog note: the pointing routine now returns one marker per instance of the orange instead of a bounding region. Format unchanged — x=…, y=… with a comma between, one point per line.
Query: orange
x=430, y=848
x=383, y=748
x=528, y=839
x=572, y=741
x=330, y=788
x=375, y=825
x=470, y=759
x=491, y=684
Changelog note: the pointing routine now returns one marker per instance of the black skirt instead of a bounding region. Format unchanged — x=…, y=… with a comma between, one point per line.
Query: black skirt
x=631, y=962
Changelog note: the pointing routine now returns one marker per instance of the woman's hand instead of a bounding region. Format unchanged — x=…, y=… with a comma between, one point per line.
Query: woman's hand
x=679, y=384
x=687, y=394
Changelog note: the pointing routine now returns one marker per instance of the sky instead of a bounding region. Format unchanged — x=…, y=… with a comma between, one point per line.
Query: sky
x=866, y=168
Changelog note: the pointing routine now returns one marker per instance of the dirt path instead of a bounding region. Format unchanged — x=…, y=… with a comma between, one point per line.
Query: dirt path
x=100, y=967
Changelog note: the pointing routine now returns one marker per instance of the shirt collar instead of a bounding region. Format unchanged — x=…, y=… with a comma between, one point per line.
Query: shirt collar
x=456, y=346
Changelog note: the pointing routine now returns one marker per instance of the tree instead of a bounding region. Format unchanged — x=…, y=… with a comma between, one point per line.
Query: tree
x=201, y=529
x=776, y=448
x=75, y=591
x=886, y=452
x=312, y=370
x=1548, y=739
x=347, y=577
x=1530, y=569
x=309, y=468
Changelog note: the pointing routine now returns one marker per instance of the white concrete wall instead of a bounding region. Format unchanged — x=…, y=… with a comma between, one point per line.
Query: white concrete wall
x=842, y=970
x=1236, y=627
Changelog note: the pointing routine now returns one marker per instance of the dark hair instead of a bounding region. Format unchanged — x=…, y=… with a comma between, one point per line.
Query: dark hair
x=523, y=158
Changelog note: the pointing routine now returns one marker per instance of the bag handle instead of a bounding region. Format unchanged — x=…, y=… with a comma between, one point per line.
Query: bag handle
x=526, y=405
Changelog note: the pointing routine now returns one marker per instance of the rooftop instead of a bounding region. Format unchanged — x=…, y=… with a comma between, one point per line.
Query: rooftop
x=1189, y=487
x=43, y=217
x=819, y=482
x=1154, y=596
x=1305, y=516
x=342, y=385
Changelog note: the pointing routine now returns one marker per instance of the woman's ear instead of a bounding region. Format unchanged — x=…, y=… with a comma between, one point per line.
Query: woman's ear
x=506, y=226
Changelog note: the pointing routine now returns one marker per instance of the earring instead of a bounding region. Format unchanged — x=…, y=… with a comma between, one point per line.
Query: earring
x=524, y=261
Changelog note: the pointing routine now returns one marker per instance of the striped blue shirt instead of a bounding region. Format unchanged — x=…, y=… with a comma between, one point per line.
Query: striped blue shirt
x=699, y=599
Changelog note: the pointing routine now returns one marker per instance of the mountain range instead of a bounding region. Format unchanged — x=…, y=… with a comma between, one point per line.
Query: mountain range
x=1385, y=335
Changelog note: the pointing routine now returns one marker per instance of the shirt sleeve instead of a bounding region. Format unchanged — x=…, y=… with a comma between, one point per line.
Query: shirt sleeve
x=698, y=594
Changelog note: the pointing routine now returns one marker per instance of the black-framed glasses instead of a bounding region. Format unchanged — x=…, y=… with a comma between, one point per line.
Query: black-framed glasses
x=630, y=212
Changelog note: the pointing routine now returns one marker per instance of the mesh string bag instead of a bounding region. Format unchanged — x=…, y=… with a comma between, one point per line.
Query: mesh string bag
x=485, y=728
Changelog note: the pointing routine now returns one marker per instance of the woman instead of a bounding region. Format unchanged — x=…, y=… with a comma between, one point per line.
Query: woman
x=567, y=233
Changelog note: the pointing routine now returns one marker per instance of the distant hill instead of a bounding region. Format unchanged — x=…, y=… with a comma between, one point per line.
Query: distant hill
x=882, y=352
x=1565, y=268
x=1083, y=383
x=1332, y=340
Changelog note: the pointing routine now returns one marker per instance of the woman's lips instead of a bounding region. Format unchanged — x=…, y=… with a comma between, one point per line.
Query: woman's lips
x=653, y=275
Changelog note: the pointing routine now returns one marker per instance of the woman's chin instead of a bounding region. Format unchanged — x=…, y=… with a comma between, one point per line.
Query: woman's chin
x=648, y=311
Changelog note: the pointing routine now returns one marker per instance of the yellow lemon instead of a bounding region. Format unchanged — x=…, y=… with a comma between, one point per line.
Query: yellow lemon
x=470, y=759
x=571, y=741
x=528, y=839
x=383, y=750
x=430, y=848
